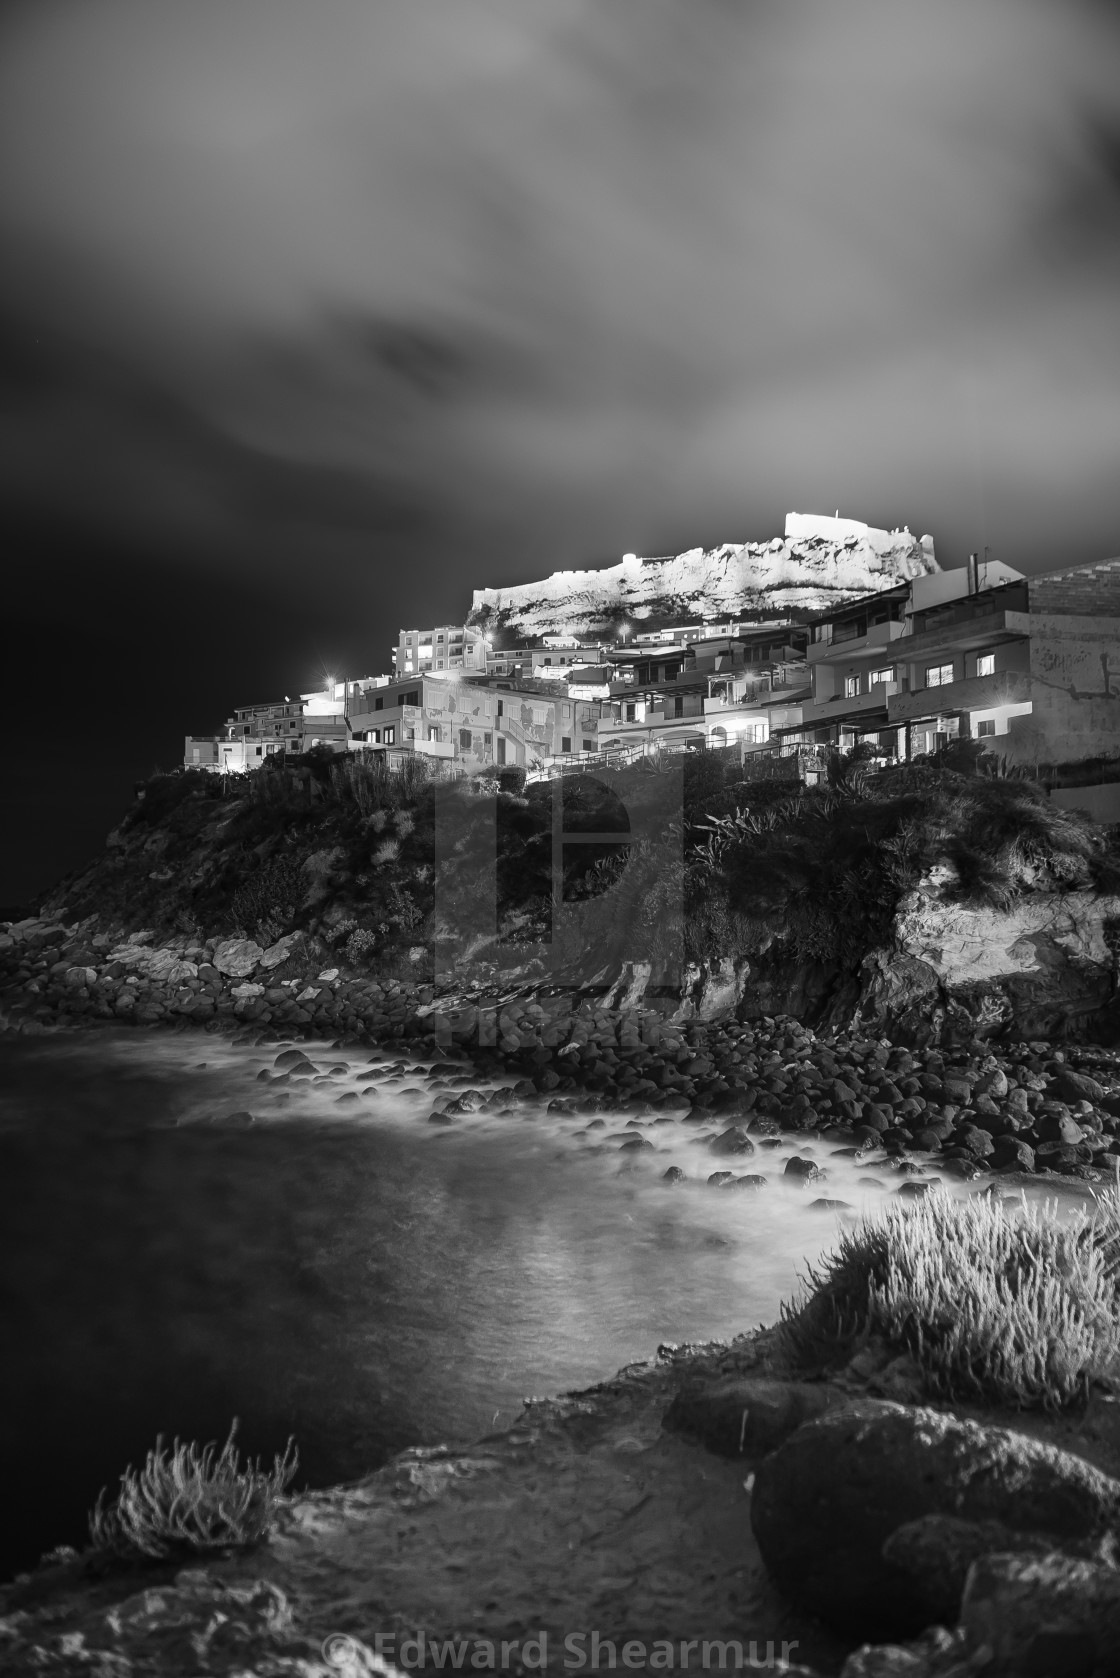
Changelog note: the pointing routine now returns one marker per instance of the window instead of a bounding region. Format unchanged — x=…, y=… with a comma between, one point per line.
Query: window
x=678, y=706
x=851, y=687
x=379, y=702
x=390, y=735
x=589, y=745
x=986, y=666
x=548, y=661
x=195, y=754
x=631, y=713
x=465, y=739
x=938, y=675
x=565, y=744
x=488, y=741
x=258, y=751
x=885, y=675
x=986, y=727
x=501, y=707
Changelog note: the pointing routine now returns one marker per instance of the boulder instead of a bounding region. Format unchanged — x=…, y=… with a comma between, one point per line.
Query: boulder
x=282, y=950
x=237, y=957
x=288, y=1059
x=1011, y=1151
x=938, y=1653
x=745, y=1415
x=936, y=1552
x=1068, y=1085
x=802, y=1170
x=1058, y=1127
x=826, y=1501
x=978, y=1142
x=1045, y=1615
x=732, y=1141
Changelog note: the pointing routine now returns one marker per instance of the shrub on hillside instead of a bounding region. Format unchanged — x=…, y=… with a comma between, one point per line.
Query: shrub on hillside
x=266, y=901
x=158, y=797
x=365, y=780
x=823, y=869
x=1011, y=1309
x=190, y=1501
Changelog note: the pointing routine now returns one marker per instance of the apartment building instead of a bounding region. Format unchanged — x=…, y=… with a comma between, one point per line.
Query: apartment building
x=725, y=689
x=451, y=647
x=475, y=720
x=257, y=732
x=1031, y=665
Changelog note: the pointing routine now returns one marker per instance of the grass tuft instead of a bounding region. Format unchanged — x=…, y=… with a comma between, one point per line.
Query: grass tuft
x=190, y=1501
x=1019, y=1309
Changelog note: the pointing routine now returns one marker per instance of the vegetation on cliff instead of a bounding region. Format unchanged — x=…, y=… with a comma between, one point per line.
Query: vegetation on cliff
x=774, y=872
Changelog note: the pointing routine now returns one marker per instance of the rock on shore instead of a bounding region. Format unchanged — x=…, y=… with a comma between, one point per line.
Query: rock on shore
x=1006, y=1108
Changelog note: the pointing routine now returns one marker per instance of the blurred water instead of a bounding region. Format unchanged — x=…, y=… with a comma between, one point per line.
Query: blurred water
x=342, y=1270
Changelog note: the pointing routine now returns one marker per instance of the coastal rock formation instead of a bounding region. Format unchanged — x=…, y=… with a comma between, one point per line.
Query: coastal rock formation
x=819, y=562
x=1046, y=966
x=828, y=1499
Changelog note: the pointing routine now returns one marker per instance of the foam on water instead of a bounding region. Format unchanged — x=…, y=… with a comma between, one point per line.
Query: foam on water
x=184, y=1240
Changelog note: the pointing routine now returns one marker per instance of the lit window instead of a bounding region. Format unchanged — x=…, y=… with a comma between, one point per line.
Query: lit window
x=985, y=728
x=886, y=675
x=390, y=735
x=851, y=687
x=985, y=664
x=938, y=675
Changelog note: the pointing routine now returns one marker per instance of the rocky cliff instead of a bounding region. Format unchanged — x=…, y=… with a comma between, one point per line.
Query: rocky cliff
x=817, y=563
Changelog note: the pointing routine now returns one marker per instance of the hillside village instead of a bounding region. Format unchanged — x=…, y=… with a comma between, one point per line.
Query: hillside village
x=588, y=669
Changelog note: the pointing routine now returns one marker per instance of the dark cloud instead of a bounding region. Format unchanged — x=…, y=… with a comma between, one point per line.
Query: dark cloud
x=395, y=300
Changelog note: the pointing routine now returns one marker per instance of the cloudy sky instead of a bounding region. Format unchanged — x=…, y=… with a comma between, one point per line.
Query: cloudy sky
x=316, y=314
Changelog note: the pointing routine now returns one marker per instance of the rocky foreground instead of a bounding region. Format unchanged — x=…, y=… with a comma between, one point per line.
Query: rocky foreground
x=708, y=1502
x=702, y=1503
x=1005, y=1107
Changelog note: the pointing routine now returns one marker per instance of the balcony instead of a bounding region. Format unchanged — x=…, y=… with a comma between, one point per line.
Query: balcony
x=840, y=651
x=980, y=628
x=972, y=693
x=839, y=707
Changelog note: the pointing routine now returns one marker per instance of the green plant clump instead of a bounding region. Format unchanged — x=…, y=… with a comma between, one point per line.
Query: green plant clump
x=1019, y=1310
x=190, y=1501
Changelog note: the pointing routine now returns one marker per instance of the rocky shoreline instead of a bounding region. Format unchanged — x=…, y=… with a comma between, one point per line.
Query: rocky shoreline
x=695, y=1499
x=1009, y=1108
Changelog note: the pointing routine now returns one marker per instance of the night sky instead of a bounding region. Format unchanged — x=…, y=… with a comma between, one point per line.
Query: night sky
x=316, y=315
